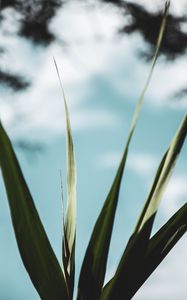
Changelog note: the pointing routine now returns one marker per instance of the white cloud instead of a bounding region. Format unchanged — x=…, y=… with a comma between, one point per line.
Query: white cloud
x=98, y=21
x=91, y=50
x=176, y=6
x=140, y=163
x=175, y=195
x=165, y=84
x=110, y=160
x=41, y=106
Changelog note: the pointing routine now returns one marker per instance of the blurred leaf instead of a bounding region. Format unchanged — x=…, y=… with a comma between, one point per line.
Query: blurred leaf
x=34, y=246
x=95, y=260
x=70, y=221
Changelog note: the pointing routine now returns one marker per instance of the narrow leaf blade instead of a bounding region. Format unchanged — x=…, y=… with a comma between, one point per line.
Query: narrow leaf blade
x=129, y=269
x=94, y=264
x=34, y=246
x=163, y=175
x=165, y=239
x=161, y=244
x=70, y=220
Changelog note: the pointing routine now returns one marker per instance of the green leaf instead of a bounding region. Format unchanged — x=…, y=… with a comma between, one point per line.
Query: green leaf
x=70, y=221
x=131, y=263
x=95, y=260
x=165, y=239
x=162, y=177
x=161, y=244
x=34, y=246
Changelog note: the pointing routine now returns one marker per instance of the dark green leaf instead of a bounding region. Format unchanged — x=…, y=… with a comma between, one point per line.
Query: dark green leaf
x=165, y=239
x=94, y=264
x=161, y=244
x=35, y=249
x=162, y=177
x=132, y=260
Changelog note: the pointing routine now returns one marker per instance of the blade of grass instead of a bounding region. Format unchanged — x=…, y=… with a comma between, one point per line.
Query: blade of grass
x=70, y=221
x=34, y=246
x=131, y=262
x=94, y=264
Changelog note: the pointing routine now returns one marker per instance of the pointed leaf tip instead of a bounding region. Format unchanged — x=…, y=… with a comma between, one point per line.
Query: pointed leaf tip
x=94, y=264
x=70, y=219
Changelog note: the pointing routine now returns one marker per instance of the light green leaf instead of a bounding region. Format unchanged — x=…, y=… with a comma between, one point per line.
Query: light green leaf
x=94, y=264
x=70, y=220
x=162, y=177
x=34, y=246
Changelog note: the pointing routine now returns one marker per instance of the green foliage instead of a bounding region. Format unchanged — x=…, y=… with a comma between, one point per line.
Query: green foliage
x=142, y=254
x=35, y=249
x=69, y=226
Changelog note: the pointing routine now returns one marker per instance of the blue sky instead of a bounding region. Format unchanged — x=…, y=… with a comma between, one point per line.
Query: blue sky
x=102, y=76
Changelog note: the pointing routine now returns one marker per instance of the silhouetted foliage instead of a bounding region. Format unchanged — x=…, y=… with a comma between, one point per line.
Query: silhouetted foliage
x=8, y=3
x=147, y=24
x=35, y=18
x=34, y=22
x=119, y=3
x=179, y=95
x=13, y=81
x=36, y=15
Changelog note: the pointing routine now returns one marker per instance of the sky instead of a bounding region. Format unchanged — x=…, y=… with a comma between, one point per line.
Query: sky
x=103, y=77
